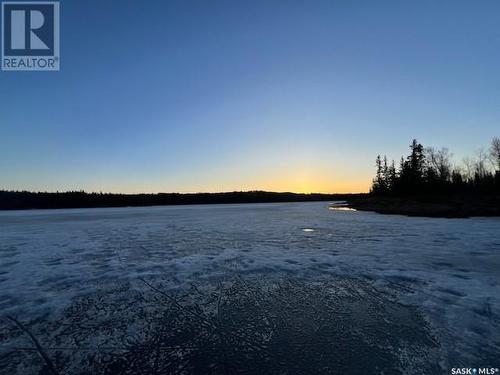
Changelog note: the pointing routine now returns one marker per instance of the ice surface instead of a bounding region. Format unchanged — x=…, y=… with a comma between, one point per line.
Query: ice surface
x=444, y=273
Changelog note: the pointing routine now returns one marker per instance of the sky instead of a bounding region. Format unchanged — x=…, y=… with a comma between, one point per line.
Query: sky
x=197, y=96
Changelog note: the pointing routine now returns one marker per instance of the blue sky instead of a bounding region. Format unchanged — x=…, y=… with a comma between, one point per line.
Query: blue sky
x=237, y=95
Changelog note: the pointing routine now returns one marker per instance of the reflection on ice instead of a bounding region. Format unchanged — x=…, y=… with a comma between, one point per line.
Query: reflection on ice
x=337, y=208
x=340, y=206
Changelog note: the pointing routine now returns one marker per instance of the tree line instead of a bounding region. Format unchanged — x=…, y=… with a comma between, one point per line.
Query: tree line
x=427, y=170
x=16, y=200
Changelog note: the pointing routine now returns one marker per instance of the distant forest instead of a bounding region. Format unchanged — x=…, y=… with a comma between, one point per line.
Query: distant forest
x=18, y=200
x=427, y=170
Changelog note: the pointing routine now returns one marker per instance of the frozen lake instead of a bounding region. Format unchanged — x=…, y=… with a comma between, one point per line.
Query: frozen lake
x=239, y=286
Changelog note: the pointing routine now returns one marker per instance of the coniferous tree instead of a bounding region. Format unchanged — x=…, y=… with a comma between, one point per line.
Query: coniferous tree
x=392, y=175
x=378, y=182
x=385, y=170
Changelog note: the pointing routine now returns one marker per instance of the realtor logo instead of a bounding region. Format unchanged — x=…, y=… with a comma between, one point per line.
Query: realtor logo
x=30, y=35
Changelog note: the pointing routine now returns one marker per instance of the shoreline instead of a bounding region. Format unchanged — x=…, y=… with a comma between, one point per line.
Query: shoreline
x=438, y=206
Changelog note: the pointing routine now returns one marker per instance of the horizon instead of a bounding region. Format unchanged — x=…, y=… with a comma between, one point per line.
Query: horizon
x=172, y=192
x=195, y=97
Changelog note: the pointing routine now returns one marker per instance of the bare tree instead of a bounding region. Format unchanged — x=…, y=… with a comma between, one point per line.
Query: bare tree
x=495, y=152
x=480, y=166
x=440, y=162
x=468, y=169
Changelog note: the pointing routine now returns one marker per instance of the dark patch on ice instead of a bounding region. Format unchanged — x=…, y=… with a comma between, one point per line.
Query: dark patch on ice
x=53, y=261
x=7, y=301
x=453, y=292
x=403, y=278
x=484, y=310
x=477, y=252
x=478, y=330
x=442, y=264
x=460, y=276
x=9, y=264
x=8, y=253
x=242, y=326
